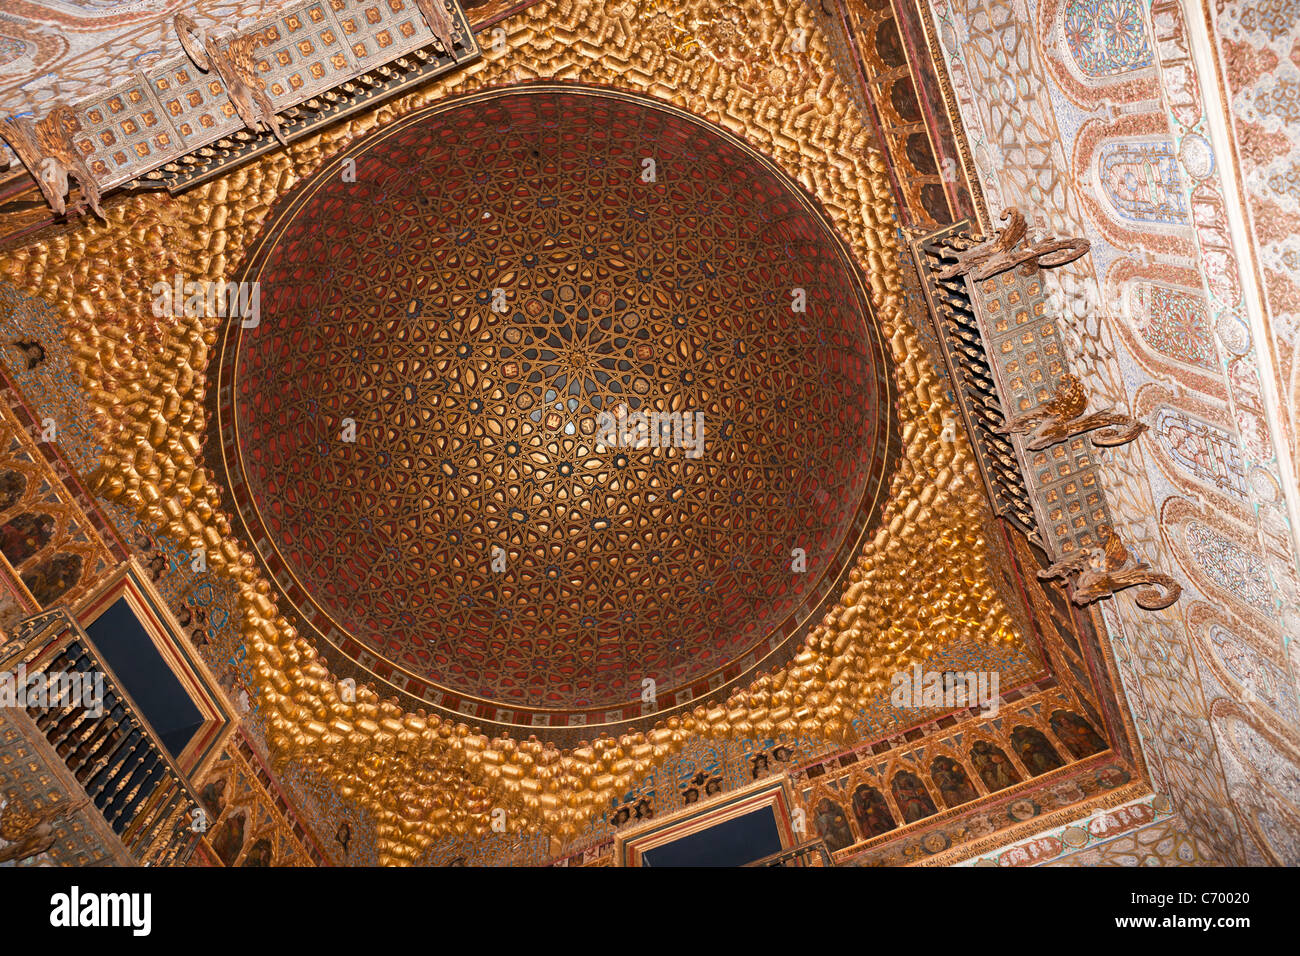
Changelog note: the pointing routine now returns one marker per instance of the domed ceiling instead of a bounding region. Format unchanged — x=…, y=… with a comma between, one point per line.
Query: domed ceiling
x=412, y=433
x=377, y=555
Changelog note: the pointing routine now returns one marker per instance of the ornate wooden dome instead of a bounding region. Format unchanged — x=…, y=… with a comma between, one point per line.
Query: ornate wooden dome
x=414, y=427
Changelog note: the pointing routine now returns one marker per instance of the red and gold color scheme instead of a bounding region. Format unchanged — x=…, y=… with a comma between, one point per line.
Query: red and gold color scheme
x=508, y=269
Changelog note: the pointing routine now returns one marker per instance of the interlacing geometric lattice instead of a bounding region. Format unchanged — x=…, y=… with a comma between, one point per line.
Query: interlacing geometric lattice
x=501, y=274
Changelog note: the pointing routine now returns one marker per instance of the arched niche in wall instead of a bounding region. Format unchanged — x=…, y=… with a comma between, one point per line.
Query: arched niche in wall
x=1166, y=324
x=1098, y=50
x=1263, y=771
x=1193, y=443
x=1131, y=184
x=1221, y=561
x=1250, y=669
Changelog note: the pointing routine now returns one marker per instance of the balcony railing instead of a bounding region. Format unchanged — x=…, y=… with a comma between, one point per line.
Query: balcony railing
x=968, y=364
x=108, y=746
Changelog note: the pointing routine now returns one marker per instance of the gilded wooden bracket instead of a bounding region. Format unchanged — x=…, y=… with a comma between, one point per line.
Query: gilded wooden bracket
x=1061, y=418
x=232, y=60
x=1096, y=573
x=193, y=41
x=45, y=147
x=435, y=15
x=1008, y=249
x=31, y=832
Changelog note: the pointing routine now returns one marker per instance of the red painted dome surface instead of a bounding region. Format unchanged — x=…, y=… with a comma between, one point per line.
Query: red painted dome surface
x=504, y=269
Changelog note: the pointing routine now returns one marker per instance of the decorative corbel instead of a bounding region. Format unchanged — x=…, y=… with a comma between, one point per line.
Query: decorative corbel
x=1096, y=573
x=435, y=14
x=27, y=832
x=1061, y=417
x=46, y=149
x=1008, y=249
x=234, y=67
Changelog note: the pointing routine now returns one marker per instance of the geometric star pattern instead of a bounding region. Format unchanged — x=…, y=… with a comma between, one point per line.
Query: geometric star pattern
x=499, y=274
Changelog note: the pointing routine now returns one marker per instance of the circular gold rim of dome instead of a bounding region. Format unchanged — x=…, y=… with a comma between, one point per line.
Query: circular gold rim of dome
x=353, y=656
